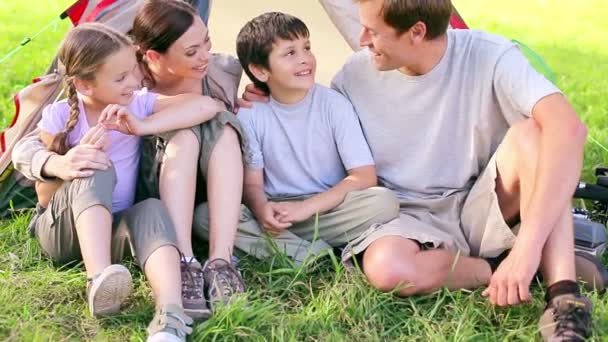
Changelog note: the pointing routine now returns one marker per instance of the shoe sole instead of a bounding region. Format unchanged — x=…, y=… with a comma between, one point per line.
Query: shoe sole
x=200, y=314
x=110, y=290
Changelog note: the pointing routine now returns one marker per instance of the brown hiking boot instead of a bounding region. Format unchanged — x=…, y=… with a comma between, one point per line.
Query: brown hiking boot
x=193, y=297
x=170, y=324
x=107, y=290
x=591, y=271
x=566, y=318
x=222, y=281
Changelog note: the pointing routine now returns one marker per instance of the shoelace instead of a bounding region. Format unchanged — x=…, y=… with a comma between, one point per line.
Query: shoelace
x=222, y=279
x=194, y=277
x=575, y=319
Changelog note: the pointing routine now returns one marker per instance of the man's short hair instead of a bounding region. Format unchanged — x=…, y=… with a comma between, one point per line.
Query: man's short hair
x=254, y=41
x=403, y=14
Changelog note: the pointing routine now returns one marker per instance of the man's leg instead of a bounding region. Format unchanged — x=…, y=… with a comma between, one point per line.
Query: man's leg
x=394, y=262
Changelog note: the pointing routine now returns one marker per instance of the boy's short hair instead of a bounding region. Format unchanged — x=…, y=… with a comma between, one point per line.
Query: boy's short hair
x=403, y=14
x=254, y=42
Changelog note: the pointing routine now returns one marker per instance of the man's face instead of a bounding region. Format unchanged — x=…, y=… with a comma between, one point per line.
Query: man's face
x=389, y=50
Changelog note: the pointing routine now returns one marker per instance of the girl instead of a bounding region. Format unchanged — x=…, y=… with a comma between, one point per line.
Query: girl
x=173, y=50
x=93, y=216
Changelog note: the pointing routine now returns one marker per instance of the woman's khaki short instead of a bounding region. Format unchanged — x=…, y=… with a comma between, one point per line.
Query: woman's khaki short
x=139, y=230
x=153, y=151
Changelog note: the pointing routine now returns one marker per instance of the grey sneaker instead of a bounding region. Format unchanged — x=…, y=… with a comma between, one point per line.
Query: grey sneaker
x=107, y=290
x=591, y=271
x=222, y=281
x=170, y=324
x=566, y=318
x=193, y=297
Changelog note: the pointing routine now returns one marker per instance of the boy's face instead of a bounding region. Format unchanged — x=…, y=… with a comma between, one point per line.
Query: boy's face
x=292, y=65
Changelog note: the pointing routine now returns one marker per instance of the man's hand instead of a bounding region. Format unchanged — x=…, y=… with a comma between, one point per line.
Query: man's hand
x=510, y=284
x=96, y=136
x=268, y=219
x=119, y=118
x=294, y=211
x=252, y=94
x=79, y=162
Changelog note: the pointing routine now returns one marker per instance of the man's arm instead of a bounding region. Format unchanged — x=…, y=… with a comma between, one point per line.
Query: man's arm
x=345, y=16
x=562, y=141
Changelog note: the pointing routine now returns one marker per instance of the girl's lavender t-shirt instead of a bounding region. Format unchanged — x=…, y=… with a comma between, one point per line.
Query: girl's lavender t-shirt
x=124, y=149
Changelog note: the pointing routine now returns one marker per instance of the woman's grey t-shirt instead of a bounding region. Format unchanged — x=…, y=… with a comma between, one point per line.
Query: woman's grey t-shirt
x=304, y=148
x=432, y=135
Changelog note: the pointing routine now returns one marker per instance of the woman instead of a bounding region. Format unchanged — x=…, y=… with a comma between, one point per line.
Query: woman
x=173, y=50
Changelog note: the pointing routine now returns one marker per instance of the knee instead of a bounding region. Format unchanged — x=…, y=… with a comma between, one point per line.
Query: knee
x=184, y=140
x=523, y=141
x=383, y=203
x=229, y=135
x=388, y=269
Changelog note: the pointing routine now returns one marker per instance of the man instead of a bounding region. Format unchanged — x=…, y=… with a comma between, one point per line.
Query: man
x=483, y=153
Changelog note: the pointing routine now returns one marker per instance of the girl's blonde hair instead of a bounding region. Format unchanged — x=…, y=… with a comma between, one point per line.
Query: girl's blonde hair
x=82, y=53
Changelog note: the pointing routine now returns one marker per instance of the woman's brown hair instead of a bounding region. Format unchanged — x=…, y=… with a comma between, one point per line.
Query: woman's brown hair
x=82, y=53
x=157, y=25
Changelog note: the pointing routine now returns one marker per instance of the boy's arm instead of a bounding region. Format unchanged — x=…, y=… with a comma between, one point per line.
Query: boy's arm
x=255, y=198
x=358, y=178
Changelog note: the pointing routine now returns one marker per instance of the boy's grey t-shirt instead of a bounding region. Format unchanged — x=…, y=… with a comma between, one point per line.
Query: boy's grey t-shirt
x=432, y=135
x=304, y=148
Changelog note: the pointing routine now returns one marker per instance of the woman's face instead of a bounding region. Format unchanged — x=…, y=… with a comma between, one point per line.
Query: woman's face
x=188, y=56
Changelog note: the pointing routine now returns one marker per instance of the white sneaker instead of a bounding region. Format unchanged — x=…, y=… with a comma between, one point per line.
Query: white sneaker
x=107, y=290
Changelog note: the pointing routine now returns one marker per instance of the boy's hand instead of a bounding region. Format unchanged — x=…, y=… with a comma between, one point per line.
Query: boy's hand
x=294, y=211
x=252, y=94
x=96, y=136
x=119, y=118
x=269, y=219
x=510, y=283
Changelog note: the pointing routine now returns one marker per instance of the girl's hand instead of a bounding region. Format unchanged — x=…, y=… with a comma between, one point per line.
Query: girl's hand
x=119, y=118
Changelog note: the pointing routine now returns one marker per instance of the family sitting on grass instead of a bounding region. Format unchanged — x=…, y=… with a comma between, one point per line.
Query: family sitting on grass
x=438, y=158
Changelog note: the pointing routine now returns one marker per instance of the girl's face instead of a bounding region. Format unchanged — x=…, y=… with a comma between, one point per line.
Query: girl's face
x=116, y=79
x=188, y=56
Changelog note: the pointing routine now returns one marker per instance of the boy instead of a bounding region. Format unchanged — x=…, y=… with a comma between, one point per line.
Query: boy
x=306, y=151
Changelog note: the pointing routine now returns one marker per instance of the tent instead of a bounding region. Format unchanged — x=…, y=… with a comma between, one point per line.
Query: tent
x=16, y=191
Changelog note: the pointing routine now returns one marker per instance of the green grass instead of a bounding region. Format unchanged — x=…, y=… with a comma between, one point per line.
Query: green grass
x=321, y=301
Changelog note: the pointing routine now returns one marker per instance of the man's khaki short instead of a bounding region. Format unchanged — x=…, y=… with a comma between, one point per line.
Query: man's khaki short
x=139, y=230
x=470, y=223
x=153, y=151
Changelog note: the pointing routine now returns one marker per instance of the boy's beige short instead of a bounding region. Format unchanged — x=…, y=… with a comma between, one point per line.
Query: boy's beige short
x=470, y=223
x=336, y=228
x=153, y=151
x=139, y=230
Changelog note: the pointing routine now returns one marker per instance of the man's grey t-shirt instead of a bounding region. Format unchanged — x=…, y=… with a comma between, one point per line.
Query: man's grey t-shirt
x=304, y=148
x=432, y=135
